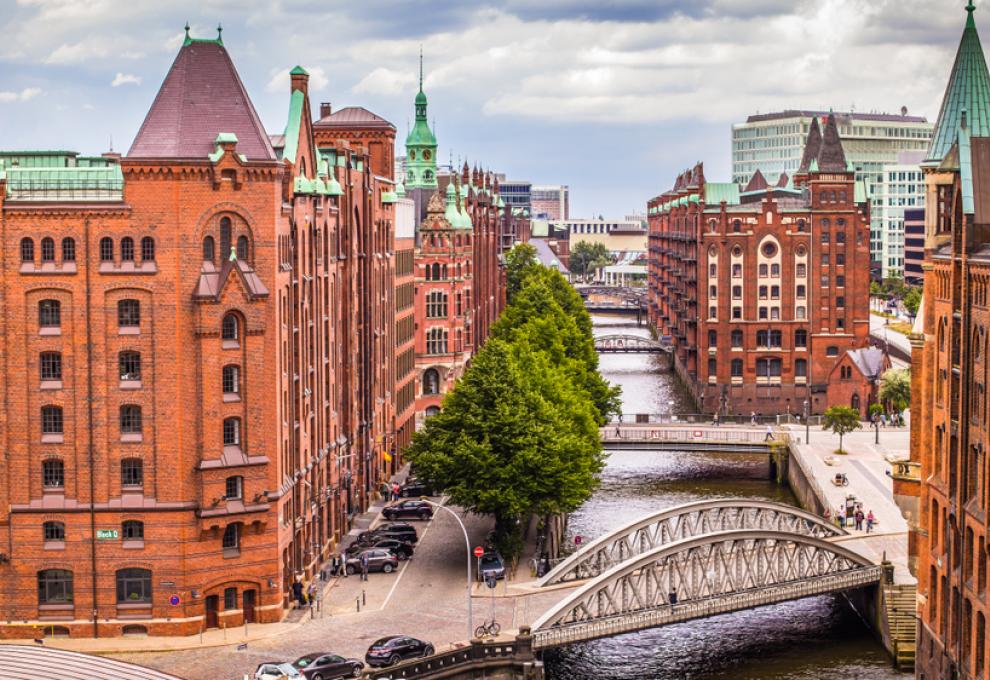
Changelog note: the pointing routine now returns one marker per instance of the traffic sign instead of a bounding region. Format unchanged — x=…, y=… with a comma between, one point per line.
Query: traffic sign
x=578, y=539
x=479, y=551
x=174, y=600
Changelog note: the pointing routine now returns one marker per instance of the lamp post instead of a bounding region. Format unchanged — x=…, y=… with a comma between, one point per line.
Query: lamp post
x=467, y=547
x=807, y=423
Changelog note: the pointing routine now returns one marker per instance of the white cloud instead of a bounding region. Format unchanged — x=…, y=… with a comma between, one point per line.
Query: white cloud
x=279, y=82
x=386, y=82
x=24, y=95
x=125, y=79
x=88, y=50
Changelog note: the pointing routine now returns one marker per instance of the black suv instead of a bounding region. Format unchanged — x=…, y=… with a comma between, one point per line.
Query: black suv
x=397, y=530
x=415, y=488
x=389, y=651
x=401, y=549
x=406, y=509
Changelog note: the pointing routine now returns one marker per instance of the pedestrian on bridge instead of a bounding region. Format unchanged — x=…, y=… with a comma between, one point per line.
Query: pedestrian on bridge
x=859, y=517
x=840, y=518
x=672, y=597
x=769, y=437
x=870, y=521
x=715, y=420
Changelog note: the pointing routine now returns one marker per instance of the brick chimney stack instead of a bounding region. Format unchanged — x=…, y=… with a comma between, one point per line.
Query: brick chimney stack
x=325, y=109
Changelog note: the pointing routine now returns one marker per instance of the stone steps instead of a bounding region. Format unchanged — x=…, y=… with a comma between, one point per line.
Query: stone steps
x=902, y=626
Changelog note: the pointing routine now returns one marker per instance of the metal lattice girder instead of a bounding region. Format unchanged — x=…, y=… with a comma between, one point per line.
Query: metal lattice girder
x=710, y=573
x=626, y=343
x=685, y=521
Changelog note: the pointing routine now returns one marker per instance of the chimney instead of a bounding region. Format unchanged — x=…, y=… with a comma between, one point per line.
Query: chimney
x=325, y=109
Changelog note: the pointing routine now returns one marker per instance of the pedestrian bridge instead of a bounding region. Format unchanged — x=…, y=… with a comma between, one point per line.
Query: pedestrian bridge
x=629, y=344
x=694, y=561
x=728, y=439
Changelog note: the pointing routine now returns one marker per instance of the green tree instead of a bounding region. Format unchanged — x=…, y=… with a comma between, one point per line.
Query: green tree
x=586, y=257
x=514, y=437
x=912, y=300
x=875, y=288
x=894, y=286
x=895, y=388
x=520, y=262
x=841, y=420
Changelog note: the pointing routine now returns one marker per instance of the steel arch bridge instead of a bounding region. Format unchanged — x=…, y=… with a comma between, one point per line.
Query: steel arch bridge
x=680, y=522
x=629, y=343
x=711, y=574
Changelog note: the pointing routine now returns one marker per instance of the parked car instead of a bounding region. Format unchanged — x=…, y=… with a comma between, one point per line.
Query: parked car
x=378, y=560
x=403, y=550
x=327, y=666
x=398, y=530
x=414, y=488
x=491, y=565
x=409, y=508
x=389, y=651
x=275, y=670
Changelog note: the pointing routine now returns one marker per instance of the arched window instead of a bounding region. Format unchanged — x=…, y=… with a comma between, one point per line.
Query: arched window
x=133, y=586
x=431, y=381
x=47, y=249
x=234, y=488
x=831, y=351
x=801, y=368
x=737, y=338
x=854, y=402
x=128, y=313
x=27, y=249
x=53, y=473
x=132, y=472
x=130, y=365
x=68, y=249
x=106, y=249
x=231, y=380
x=51, y=419
x=436, y=271
x=54, y=531
x=231, y=431
x=230, y=328
x=225, y=237
x=127, y=249
x=242, y=248
x=768, y=367
x=132, y=530
x=55, y=586
x=147, y=249
x=51, y=365
x=130, y=419
x=432, y=411
x=208, y=249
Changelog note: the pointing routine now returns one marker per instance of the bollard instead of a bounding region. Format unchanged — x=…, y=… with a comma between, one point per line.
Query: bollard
x=357, y=601
x=364, y=597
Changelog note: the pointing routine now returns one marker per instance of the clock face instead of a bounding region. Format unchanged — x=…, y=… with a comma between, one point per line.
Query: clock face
x=427, y=155
x=412, y=155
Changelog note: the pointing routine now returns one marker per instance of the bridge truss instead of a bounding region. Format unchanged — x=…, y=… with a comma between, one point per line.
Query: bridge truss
x=680, y=522
x=629, y=343
x=710, y=574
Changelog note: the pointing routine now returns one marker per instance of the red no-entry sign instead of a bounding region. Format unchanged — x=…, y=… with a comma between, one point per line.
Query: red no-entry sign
x=479, y=551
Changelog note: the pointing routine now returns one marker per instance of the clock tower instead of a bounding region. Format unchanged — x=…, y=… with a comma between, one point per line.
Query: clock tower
x=421, y=146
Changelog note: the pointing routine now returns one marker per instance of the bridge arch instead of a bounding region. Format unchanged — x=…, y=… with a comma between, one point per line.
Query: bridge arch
x=627, y=343
x=684, y=521
x=710, y=574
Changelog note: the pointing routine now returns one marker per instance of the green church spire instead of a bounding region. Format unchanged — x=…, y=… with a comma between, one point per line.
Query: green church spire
x=968, y=90
x=421, y=145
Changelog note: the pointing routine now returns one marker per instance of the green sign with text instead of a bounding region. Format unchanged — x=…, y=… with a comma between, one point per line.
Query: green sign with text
x=107, y=535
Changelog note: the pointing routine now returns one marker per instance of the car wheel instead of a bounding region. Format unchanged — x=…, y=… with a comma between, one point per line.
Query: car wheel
x=356, y=672
x=428, y=651
x=350, y=570
x=424, y=516
x=387, y=568
x=394, y=659
x=317, y=676
x=402, y=557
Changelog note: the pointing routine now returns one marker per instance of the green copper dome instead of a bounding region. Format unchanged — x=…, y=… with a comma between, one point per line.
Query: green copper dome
x=451, y=213
x=465, y=217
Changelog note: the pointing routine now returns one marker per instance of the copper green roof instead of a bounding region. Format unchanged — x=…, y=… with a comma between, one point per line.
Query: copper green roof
x=968, y=89
x=292, y=125
x=716, y=192
x=298, y=71
x=65, y=184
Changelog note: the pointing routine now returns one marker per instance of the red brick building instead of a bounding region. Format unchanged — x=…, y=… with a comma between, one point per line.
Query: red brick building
x=763, y=289
x=947, y=501
x=206, y=334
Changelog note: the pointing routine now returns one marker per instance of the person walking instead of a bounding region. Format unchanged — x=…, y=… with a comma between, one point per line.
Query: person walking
x=870, y=521
x=752, y=417
x=769, y=437
x=365, y=561
x=297, y=593
x=311, y=593
x=840, y=519
x=859, y=520
x=672, y=596
x=335, y=565
x=396, y=491
x=715, y=420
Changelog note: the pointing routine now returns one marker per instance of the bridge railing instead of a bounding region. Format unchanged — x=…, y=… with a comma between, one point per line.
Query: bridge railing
x=620, y=433
x=707, y=419
x=478, y=655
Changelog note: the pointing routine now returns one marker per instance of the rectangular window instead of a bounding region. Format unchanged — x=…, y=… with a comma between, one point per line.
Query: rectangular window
x=131, y=472
x=774, y=270
x=737, y=312
x=712, y=312
x=825, y=260
x=774, y=292
x=840, y=280
x=763, y=271
x=129, y=313
x=51, y=366
x=712, y=366
x=840, y=258
x=840, y=301
x=763, y=313
x=801, y=292
x=763, y=292
x=737, y=271
x=825, y=281
x=840, y=324
x=801, y=271
x=229, y=599
x=737, y=292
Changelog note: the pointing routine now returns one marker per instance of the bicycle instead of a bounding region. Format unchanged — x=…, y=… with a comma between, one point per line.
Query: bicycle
x=487, y=629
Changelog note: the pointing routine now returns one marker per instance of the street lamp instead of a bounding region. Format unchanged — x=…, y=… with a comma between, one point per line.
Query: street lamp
x=467, y=546
x=807, y=423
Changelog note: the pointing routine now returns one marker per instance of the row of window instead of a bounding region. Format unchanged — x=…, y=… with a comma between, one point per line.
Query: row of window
x=55, y=586
x=767, y=367
x=48, y=249
x=127, y=249
x=53, y=420
x=130, y=530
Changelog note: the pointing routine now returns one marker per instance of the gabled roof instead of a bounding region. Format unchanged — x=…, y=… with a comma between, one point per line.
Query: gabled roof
x=353, y=116
x=968, y=89
x=201, y=96
x=871, y=361
x=831, y=157
x=783, y=180
x=811, y=146
x=757, y=183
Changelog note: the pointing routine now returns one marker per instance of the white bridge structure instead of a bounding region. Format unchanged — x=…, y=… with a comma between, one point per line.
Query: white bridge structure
x=629, y=344
x=694, y=561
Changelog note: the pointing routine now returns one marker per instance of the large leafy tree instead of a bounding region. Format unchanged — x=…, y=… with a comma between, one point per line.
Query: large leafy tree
x=520, y=262
x=841, y=420
x=585, y=257
x=895, y=388
x=912, y=300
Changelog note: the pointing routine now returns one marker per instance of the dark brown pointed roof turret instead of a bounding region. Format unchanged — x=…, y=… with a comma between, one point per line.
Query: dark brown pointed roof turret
x=831, y=157
x=811, y=146
x=757, y=183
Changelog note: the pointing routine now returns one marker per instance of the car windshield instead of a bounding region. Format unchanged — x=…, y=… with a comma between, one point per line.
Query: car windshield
x=304, y=661
x=289, y=670
x=490, y=561
x=384, y=642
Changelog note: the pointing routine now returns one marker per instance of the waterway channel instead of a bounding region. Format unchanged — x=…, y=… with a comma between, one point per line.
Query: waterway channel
x=815, y=638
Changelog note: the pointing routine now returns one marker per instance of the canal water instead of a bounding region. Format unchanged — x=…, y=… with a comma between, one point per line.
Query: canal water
x=816, y=638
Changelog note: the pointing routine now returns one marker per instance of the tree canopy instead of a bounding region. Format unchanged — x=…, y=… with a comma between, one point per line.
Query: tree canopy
x=895, y=388
x=586, y=257
x=912, y=300
x=520, y=262
x=841, y=420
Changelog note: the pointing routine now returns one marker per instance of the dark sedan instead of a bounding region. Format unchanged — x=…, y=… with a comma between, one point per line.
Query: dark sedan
x=409, y=509
x=401, y=549
x=378, y=560
x=391, y=650
x=415, y=488
x=397, y=530
x=327, y=666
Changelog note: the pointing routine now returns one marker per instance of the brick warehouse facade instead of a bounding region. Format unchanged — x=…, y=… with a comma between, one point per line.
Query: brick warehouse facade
x=207, y=329
x=763, y=290
x=947, y=500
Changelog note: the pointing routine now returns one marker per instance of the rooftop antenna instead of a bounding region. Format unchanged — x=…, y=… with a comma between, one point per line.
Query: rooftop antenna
x=420, y=68
x=187, y=30
x=111, y=142
x=219, y=32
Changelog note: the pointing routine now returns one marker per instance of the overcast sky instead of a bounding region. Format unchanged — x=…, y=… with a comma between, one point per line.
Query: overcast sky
x=612, y=97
